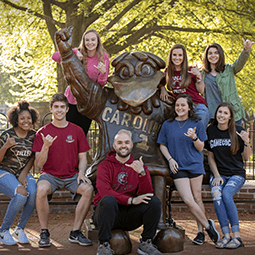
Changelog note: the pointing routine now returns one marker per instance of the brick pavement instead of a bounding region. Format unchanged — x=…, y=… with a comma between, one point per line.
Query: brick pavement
x=62, y=225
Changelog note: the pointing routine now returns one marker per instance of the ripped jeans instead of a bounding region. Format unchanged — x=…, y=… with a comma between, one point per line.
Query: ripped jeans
x=8, y=186
x=224, y=205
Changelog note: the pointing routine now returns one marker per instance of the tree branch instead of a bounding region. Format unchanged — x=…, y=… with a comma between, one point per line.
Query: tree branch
x=24, y=9
x=61, y=5
x=121, y=14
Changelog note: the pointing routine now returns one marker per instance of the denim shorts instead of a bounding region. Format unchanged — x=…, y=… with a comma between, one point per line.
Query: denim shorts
x=70, y=184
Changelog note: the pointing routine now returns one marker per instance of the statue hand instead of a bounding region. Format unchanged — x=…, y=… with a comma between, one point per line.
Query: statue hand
x=64, y=34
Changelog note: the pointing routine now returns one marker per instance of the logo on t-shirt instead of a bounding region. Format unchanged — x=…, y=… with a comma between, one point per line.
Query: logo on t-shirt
x=69, y=139
x=176, y=85
x=220, y=142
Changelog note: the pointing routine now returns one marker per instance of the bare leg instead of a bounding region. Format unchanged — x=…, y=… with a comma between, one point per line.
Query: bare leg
x=82, y=208
x=42, y=204
x=184, y=188
x=196, y=185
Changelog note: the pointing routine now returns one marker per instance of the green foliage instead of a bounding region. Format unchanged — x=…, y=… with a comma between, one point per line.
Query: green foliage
x=26, y=48
x=124, y=25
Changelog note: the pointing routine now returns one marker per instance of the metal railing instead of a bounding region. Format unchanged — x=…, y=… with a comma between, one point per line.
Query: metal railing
x=93, y=140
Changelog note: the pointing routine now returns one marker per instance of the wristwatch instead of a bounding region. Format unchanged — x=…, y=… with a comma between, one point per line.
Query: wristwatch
x=142, y=173
x=194, y=139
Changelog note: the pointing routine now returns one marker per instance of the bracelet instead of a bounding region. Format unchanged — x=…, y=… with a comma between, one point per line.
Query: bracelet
x=195, y=139
x=169, y=159
x=131, y=200
x=247, y=144
x=199, y=80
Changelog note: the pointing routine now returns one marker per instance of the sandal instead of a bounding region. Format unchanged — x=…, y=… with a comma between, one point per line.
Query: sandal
x=235, y=243
x=222, y=244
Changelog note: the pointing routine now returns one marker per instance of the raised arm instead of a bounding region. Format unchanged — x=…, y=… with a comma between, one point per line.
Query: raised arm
x=89, y=94
x=243, y=57
x=42, y=156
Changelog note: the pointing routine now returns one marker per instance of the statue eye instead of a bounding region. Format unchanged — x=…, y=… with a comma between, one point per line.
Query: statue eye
x=146, y=70
x=124, y=72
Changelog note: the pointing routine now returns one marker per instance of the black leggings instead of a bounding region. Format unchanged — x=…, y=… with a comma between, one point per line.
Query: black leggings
x=110, y=215
x=75, y=117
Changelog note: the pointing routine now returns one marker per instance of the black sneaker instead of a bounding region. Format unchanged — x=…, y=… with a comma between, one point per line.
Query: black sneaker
x=77, y=237
x=44, y=238
x=212, y=232
x=199, y=239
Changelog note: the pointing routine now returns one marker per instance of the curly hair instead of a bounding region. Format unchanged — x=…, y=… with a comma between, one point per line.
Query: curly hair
x=192, y=114
x=15, y=111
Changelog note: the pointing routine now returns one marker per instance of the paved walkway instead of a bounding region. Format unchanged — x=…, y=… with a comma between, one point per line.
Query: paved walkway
x=60, y=226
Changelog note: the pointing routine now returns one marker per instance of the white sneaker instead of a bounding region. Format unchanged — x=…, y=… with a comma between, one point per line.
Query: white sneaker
x=20, y=235
x=6, y=238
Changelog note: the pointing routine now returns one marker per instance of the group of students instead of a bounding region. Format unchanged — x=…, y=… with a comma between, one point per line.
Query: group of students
x=59, y=150
x=183, y=136
x=181, y=141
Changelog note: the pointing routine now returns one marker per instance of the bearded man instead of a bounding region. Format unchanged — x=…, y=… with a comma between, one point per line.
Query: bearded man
x=125, y=198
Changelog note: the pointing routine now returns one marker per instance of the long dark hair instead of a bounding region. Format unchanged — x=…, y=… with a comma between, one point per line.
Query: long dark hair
x=185, y=76
x=220, y=66
x=231, y=127
x=192, y=114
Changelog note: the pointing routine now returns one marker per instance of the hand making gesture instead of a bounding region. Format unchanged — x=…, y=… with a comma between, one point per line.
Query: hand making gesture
x=48, y=140
x=101, y=67
x=137, y=165
x=245, y=136
x=9, y=141
x=247, y=44
x=191, y=133
x=195, y=71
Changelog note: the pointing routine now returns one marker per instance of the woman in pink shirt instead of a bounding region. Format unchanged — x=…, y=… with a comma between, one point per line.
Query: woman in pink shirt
x=95, y=60
x=184, y=79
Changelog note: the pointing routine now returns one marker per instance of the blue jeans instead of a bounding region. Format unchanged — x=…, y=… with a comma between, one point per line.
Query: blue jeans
x=201, y=111
x=224, y=205
x=239, y=122
x=8, y=186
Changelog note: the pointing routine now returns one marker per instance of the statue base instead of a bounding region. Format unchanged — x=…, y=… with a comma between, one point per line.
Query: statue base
x=167, y=240
x=120, y=242
x=170, y=240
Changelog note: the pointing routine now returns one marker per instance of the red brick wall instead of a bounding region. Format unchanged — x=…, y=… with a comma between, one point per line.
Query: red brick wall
x=246, y=193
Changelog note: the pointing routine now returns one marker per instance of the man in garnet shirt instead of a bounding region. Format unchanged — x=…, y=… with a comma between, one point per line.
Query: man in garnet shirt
x=125, y=197
x=60, y=151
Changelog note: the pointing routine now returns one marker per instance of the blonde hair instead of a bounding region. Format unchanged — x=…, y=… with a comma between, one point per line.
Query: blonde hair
x=100, y=50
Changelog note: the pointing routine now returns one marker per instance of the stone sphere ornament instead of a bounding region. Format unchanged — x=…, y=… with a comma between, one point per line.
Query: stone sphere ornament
x=169, y=240
x=120, y=242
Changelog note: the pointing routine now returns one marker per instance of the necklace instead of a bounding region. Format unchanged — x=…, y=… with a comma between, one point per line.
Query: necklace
x=183, y=124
